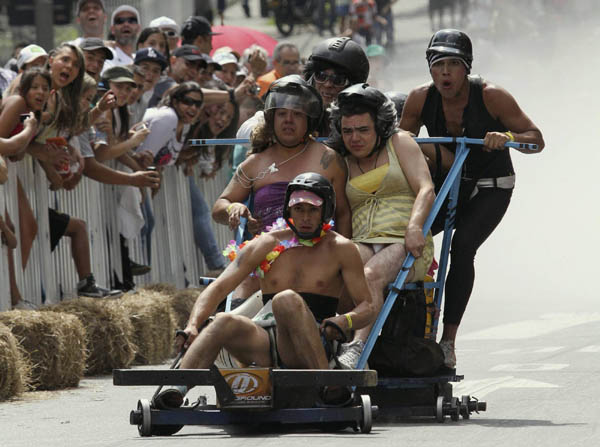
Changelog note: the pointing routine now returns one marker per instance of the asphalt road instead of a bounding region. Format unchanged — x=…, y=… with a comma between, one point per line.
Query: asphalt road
x=529, y=344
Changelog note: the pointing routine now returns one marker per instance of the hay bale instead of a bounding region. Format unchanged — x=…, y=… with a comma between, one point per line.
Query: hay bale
x=161, y=287
x=182, y=303
x=109, y=333
x=153, y=324
x=54, y=345
x=15, y=370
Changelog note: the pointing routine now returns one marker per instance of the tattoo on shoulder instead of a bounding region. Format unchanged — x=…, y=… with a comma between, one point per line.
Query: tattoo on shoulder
x=326, y=159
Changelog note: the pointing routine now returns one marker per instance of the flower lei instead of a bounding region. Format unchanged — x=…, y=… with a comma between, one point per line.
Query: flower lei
x=232, y=249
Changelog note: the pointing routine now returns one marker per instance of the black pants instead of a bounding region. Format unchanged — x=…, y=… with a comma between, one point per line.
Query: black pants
x=476, y=219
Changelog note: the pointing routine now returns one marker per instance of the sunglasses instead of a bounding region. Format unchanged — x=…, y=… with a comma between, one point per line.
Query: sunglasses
x=122, y=20
x=191, y=101
x=170, y=33
x=339, y=80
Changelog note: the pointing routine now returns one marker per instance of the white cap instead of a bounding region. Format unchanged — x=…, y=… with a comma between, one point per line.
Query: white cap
x=29, y=54
x=225, y=58
x=164, y=22
x=124, y=8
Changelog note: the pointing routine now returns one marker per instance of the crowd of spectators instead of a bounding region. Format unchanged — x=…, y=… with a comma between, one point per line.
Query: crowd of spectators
x=118, y=105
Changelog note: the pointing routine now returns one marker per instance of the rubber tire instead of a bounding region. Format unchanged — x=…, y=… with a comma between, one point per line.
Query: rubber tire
x=366, y=421
x=145, y=428
x=284, y=17
x=439, y=409
x=455, y=409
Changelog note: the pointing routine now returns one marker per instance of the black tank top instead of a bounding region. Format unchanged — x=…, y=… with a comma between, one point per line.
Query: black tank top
x=477, y=121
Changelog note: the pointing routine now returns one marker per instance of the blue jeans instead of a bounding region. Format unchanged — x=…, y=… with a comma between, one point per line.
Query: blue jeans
x=203, y=233
x=148, y=226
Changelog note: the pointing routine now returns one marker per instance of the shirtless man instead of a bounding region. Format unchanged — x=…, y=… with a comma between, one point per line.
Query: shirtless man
x=456, y=104
x=303, y=281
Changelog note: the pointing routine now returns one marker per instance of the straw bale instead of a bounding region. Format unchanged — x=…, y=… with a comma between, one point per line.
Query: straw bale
x=153, y=324
x=54, y=344
x=167, y=289
x=15, y=370
x=109, y=333
x=182, y=303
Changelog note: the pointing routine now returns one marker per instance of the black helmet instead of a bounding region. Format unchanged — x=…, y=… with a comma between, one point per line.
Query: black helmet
x=450, y=42
x=398, y=99
x=316, y=183
x=294, y=93
x=344, y=53
x=363, y=96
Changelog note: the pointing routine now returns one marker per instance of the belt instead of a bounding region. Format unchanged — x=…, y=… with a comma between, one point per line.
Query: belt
x=507, y=182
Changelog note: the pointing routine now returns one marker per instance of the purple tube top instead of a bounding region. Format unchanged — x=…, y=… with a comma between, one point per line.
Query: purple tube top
x=268, y=203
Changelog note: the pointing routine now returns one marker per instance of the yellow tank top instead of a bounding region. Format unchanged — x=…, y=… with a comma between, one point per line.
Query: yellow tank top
x=381, y=216
x=371, y=181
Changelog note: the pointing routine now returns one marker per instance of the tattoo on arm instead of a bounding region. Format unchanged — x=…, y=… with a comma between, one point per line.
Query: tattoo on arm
x=326, y=159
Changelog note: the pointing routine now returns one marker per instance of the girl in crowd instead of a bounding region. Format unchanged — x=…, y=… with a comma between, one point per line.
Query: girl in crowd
x=155, y=38
x=33, y=93
x=219, y=121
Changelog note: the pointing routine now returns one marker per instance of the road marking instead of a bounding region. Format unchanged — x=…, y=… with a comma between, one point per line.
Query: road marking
x=533, y=328
x=591, y=348
x=506, y=351
x=549, y=349
x=483, y=387
x=529, y=367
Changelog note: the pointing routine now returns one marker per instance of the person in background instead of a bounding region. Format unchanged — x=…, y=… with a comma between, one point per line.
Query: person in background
x=168, y=26
x=11, y=64
x=91, y=18
x=196, y=30
x=286, y=61
x=229, y=68
x=151, y=63
x=154, y=38
x=385, y=26
x=254, y=59
x=125, y=27
x=29, y=57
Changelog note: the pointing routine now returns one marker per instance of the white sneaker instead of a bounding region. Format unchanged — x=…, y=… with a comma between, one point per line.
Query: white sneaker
x=350, y=354
x=449, y=353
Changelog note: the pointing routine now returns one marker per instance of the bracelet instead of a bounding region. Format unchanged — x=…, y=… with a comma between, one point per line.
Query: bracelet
x=349, y=319
x=229, y=208
x=232, y=96
x=510, y=135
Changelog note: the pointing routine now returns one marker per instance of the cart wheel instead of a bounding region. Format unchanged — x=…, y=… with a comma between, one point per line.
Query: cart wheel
x=454, y=409
x=145, y=426
x=366, y=422
x=439, y=409
x=464, y=407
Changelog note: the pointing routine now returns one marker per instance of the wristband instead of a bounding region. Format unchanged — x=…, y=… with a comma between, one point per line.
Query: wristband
x=349, y=319
x=232, y=96
x=510, y=135
x=229, y=208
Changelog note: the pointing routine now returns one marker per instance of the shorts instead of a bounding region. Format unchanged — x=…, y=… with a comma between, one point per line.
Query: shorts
x=58, y=226
x=420, y=266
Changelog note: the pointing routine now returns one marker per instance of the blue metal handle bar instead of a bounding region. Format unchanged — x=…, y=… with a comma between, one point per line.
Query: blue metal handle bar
x=205, y=280
x=239, y=238
x=433, y=140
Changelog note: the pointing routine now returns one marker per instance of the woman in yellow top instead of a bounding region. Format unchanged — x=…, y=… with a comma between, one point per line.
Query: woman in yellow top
x=389, y=189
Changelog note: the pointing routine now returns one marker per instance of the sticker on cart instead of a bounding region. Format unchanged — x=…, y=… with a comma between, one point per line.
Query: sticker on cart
x=249, y=385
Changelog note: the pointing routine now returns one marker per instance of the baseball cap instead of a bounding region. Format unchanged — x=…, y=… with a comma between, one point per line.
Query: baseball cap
x=225, y=58
x=95, y=43
x=118, y=73
x=164, y=22
x=150, y=54
x=29, y=54
x=80, y=4
x=197, y=26
x=226, y=49
x=189, y=52
x=124, y=8
x=210, y=61
x=304, y=196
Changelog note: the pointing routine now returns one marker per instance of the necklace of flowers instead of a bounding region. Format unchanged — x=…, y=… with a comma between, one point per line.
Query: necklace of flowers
x=232, y=249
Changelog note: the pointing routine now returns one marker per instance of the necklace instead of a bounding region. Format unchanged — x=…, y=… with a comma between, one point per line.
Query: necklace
x=374, y=166
x=273, y=168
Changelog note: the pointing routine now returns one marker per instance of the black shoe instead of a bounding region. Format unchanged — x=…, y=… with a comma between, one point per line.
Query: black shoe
x=138, y=269
x=88, y=287
x=168, y=399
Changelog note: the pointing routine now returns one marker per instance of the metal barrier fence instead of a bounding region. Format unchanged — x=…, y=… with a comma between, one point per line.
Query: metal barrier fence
x=51, y=276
